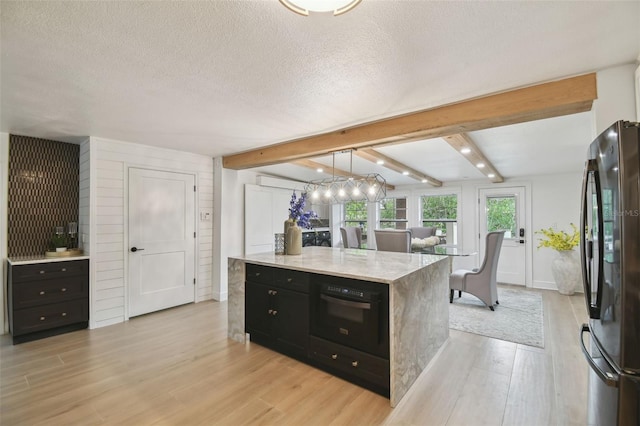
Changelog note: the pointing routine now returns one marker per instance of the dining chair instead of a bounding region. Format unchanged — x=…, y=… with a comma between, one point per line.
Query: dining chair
x=422, y=231
x=351, y=237
x=393, y=240
x=480, y=282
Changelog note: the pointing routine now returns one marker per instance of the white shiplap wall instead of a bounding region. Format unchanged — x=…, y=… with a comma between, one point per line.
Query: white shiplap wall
x=110, y=163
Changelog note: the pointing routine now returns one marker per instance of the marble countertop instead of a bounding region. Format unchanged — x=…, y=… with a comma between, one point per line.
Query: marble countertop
x=29, y=260
x=369, y=265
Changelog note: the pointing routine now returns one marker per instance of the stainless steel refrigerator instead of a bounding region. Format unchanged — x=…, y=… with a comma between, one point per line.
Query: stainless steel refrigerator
x=610, y=251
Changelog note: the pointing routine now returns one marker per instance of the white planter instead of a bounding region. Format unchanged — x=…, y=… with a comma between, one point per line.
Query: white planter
x=61, y=249
x=566, y=272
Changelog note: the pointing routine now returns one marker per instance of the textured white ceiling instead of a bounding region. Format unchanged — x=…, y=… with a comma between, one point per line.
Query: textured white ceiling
x=219, y=77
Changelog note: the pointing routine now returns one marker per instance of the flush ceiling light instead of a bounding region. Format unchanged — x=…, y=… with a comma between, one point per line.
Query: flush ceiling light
x=319, y=170
x=480, y=165
x=304, y=7
x=380, y=162
x=465, y=150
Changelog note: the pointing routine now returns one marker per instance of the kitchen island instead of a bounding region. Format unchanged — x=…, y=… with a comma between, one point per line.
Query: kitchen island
x=418, y=311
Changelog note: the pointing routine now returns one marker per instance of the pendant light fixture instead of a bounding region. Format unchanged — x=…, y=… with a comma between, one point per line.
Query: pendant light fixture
x=304, y=7
x=341, y=189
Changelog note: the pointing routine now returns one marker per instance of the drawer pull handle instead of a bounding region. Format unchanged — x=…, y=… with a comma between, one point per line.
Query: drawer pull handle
x=42, y=272
x=270, y=311
x=289, y=280
x=354, y=364
x=270, y=292
x=64, y=269
x=334, y=356
x=275, y=313
x=257, y=274
x=274, y=292
x=42, y=318
x=64, y=314
x=63, y=289
x=41, y=293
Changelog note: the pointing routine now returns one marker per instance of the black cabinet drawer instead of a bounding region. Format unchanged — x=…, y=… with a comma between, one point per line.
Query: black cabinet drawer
x=33, y=293
x=292, y=280
x=49, y=316
x=350, y=361
x=43, y=271
x=259, y=274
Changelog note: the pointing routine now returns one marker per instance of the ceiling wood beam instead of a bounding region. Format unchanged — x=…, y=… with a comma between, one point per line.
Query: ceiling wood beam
x=372, y=155
x=475, y=156
x=552, y=99
x=314, y=165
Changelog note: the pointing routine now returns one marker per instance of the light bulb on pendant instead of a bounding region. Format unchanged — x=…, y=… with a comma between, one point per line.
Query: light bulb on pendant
x=341, y=192
x=327, y=194
x=356, y=192
x=315, y=194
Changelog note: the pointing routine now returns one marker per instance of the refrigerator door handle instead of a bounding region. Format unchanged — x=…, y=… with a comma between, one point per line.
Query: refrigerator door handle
x=586, y=252
x=610, y=379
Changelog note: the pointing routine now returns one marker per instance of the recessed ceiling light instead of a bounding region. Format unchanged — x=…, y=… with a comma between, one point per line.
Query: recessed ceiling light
x=465, y=150
x=380, y=162
x=406, y=173
x=319, y=170
x=491, y=175
x=424, y=181
x=480, y=165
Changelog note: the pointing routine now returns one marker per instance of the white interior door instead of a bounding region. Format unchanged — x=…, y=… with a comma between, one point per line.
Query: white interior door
x=505, y=209
x=161, y=240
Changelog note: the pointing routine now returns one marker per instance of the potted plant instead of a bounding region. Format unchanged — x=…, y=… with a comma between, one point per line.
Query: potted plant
x=564, y=268
x=297, y=218
x=59, y=242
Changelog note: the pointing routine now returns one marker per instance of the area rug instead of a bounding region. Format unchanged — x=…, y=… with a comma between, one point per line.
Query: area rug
x=518, y=317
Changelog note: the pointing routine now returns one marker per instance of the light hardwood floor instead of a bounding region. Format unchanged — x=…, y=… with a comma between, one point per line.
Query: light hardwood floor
x=177, y=367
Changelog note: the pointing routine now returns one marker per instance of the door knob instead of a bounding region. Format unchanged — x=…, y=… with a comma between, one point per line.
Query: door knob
x=135, y=249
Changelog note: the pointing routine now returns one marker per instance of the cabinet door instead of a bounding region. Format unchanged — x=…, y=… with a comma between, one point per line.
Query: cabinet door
x=258, y=311
x=291, y=322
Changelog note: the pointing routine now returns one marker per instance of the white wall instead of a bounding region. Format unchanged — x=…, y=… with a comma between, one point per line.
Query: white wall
x=107, y=239
x=228, y=220
x=4, y=192
x=555, y=203
x=616, y=97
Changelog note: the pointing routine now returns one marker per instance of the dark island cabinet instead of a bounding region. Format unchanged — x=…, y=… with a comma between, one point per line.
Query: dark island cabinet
x=47, y=298
x=277, y=309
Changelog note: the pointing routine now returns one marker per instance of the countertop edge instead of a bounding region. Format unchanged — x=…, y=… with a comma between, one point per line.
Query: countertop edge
x=45, y=260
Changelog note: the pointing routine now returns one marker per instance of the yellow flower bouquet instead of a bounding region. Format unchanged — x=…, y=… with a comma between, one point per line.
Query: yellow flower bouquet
x=559, y=240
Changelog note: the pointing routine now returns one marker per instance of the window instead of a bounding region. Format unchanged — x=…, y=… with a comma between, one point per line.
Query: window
x=441, y=211
x=501, y=215
x=393, y=213
x=355, y=214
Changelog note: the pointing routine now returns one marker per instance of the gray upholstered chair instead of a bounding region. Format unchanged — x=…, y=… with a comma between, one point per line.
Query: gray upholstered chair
x=480, y=282
x=423, y=231
x=351, y=237
x=393, y=240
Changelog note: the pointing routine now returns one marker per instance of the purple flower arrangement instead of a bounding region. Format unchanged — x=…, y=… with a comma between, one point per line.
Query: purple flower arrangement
x=297, y=213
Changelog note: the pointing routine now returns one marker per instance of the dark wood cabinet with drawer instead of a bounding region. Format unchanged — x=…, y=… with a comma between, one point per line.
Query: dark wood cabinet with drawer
x=46, y=299
x=277, y=309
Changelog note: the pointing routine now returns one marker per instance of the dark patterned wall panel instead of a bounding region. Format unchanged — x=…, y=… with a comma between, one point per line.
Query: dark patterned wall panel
x=43, y=192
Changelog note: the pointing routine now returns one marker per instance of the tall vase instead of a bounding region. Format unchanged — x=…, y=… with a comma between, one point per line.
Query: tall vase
x=566, y=272
x=293, y=240
x=287, y=224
